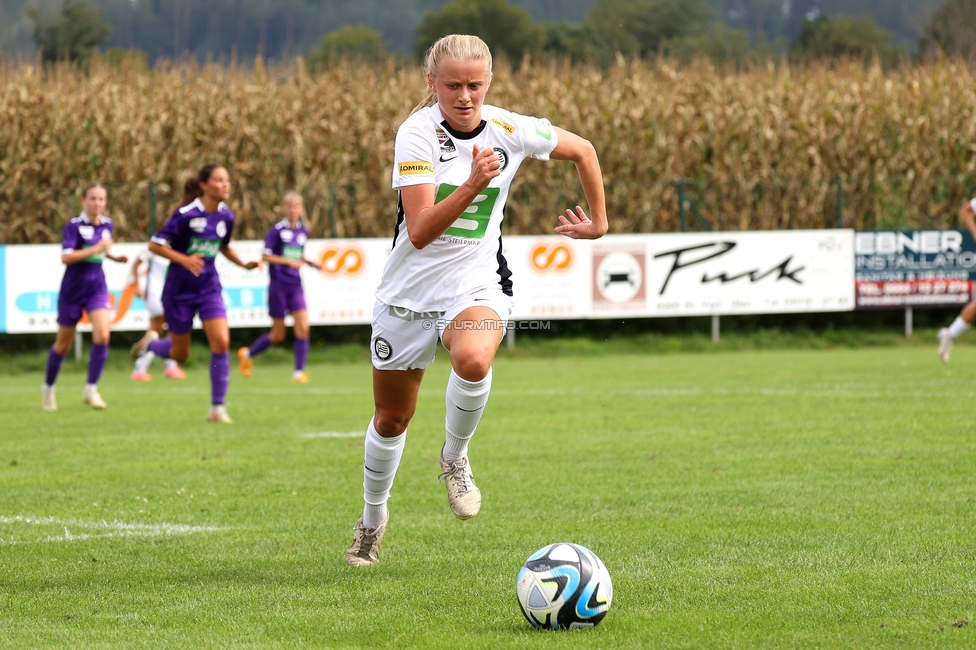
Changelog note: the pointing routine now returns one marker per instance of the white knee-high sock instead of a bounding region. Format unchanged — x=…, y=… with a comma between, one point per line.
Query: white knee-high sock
x=379, y=469
x=465, y=402
x=143, y=362
x=958, y=327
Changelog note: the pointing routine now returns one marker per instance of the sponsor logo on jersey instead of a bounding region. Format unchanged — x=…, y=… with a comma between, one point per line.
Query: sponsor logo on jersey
x=221, y=229
x=502, y=158
x=416, y=168
x=205, y=247
x=473, y=222
x=547, y=257
x=86, y=232
x=286, y=235
x=504, y=126
x=198, y=224
x=291, y=252
x=448, y=150
x=342, y=260
x=382, y=348
x=97, y=258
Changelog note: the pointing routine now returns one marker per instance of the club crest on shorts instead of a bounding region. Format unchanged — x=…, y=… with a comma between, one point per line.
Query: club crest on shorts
x=382, y=348
x=502, y=158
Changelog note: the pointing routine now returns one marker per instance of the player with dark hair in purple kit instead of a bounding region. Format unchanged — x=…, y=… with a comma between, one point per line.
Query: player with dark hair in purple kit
x=85, y=242
x=191, y=239
x=284, y=250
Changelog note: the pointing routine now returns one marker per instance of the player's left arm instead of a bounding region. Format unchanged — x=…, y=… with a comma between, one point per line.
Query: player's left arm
x=122, y=259
x=577, y=225
x=232, y=255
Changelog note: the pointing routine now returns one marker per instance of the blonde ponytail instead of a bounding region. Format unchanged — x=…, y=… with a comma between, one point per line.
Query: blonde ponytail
x=453, y=47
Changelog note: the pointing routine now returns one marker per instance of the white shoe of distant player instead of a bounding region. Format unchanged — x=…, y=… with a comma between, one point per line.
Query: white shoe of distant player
x=48, y=401
x=142, y=344
x=92, y=398
x=945, y=344
x=219, y=414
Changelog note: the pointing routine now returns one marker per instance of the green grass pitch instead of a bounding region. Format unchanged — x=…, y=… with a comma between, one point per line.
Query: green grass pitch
x=772, y=499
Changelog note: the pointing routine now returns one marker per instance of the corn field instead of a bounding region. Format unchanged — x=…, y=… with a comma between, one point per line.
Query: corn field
x=759, y=149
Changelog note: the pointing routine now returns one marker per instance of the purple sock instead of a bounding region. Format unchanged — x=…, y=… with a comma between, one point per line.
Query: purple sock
x=219, y=377
x=96, y=362
x=53, y=367
x=301, y=354
x=160, y=347
x=259, y=346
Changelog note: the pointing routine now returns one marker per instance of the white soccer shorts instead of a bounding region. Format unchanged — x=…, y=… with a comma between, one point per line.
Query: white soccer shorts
x=406, y=340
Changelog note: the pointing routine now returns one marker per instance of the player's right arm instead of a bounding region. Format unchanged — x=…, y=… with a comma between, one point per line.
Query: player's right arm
x=192, y=263
x=272, y=243
x=967, y=214
x=71, y=247
x=427, y=220
x=160, y=245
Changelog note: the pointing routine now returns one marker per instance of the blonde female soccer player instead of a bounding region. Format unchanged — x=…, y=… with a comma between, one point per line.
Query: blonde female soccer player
x=284, y=251
x=446, y=278
x=190, y=240
x=968, y=315
x=85, y=242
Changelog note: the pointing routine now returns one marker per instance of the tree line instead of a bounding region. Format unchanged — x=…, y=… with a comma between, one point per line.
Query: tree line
x=610, y=29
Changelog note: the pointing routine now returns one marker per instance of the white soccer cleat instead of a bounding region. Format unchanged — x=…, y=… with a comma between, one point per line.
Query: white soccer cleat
x=142, y=344
x=93, y=399
x=219, y=414
x=463, y=495
x=48, y=400
x=365, y=549
x=945, y=344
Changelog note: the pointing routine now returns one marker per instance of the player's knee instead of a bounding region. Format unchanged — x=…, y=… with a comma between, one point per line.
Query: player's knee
x=276, y=338
x=391, y=423
x=472, y=366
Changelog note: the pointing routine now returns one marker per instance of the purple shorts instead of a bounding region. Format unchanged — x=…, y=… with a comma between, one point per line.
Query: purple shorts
x=179, y=310
x=69, y=308
x=285, y=298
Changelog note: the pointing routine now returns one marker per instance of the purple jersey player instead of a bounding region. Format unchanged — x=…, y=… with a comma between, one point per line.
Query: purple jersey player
x=85, y=243
x=284, y=250
x=191, y=239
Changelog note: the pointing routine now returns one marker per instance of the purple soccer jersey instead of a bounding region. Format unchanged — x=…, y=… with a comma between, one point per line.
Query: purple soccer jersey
x=86, y=276
x=194, y=231
x=83, y=285
x=288, y=242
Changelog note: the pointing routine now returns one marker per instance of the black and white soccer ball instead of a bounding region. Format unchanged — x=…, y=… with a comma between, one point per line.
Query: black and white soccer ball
x=564, y=586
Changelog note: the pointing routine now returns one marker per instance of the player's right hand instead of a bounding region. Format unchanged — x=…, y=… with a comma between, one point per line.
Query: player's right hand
x=484, y=166
x=193, y=263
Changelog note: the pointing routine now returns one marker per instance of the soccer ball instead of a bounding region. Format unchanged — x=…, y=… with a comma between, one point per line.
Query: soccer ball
x=564, y=586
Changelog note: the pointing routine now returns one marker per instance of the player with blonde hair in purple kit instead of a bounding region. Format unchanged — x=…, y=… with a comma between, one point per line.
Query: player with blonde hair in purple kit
x=85, y=242
x=446, y=277
x=284, y=251
x=190, y=240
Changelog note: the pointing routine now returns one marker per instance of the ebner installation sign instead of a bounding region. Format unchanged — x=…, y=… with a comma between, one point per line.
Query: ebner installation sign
x=913, y=268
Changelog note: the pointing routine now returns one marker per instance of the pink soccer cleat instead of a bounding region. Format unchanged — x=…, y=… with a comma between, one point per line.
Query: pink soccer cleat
x=141, y=375
x=175, y=372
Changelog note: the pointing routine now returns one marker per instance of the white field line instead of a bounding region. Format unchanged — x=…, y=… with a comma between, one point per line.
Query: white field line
x=113, y=529
x=334, y=434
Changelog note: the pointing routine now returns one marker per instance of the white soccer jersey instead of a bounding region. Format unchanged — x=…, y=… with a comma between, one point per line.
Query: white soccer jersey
x=468, y=256
x=156, y=267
